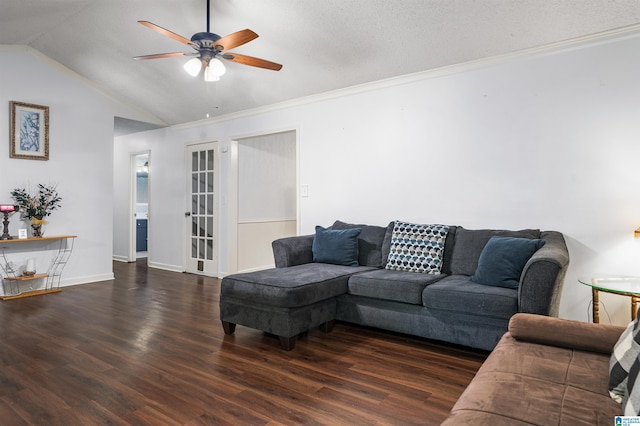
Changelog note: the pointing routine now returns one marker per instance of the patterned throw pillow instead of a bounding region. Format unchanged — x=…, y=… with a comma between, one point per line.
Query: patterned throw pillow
x=622, y=358
x=417, y=248
x=631, y=395
x=631, y=400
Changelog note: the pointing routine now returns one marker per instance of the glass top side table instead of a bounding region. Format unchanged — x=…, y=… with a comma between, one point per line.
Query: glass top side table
x=625, y=286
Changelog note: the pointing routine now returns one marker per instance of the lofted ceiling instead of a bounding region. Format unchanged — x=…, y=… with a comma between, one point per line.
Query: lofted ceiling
x=323, y=45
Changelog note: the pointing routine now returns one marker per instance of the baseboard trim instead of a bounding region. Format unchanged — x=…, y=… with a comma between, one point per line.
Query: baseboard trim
x=86, y=280
x=117, y=258
x=166, y=267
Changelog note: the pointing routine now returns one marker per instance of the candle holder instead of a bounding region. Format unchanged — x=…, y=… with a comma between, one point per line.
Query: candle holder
x=30, y=268
x=5, y=209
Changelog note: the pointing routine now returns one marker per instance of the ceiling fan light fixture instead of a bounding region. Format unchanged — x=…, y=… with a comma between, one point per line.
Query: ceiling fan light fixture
x=214, y=70
x=193, y=66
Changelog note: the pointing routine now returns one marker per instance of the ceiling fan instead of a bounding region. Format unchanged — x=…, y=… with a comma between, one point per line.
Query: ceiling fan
x=209, y=49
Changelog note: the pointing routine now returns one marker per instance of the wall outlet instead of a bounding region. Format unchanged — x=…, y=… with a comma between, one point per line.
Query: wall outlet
x=304, y=191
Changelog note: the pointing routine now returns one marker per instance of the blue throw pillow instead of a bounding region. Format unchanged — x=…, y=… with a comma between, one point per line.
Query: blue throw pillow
x=339, y=247
x=502, y=260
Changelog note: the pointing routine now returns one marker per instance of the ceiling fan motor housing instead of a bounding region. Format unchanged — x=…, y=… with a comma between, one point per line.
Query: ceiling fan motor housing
x=206, y=42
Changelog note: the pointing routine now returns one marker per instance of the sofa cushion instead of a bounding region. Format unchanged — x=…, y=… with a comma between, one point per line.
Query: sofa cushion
x=370, y=242
x=399, y=286
x=502, y=260
x=290, y=287
x=623, y=355
x=417, y=248
x=468, y=245
x=338, y=247
x=457, y=293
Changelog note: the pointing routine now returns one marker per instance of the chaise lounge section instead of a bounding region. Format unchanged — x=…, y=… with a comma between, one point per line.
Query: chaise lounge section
x=285, y=301
x=444, y=303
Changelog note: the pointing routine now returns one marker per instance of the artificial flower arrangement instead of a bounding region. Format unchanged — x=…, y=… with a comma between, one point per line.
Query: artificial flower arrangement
x=37, y=207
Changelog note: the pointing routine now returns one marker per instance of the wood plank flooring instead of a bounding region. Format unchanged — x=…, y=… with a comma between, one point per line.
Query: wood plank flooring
x=148, y=349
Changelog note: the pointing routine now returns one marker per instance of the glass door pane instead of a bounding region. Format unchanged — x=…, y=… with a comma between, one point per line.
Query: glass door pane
x=202, y=208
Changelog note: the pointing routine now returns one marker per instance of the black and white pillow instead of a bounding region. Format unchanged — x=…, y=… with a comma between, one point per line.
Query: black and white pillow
x=417, y=248
x=631, y=397
x=631, y=400
x=622, y=358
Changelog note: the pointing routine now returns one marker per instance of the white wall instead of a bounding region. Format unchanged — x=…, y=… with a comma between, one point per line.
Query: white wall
x=544, y=140
x=80, y=157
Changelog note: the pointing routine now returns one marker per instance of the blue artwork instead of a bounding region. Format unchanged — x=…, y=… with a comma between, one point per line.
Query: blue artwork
x=29, y=131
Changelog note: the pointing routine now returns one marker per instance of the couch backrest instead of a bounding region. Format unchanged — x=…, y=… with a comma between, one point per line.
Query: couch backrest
x=468, y=244
x=461, y=250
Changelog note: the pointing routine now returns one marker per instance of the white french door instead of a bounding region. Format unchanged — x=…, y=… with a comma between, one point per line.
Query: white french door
x=202, y=209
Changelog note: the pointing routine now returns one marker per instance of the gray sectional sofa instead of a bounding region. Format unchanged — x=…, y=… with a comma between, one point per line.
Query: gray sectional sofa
x=300, y=293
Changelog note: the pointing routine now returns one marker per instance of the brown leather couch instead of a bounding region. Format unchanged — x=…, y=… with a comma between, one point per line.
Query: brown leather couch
x=544, y=371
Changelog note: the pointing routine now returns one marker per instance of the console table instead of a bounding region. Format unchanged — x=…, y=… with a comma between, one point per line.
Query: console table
x=625, y=286
x=48, y=281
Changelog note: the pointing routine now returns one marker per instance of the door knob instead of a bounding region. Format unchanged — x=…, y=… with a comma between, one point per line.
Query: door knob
x=187, y=214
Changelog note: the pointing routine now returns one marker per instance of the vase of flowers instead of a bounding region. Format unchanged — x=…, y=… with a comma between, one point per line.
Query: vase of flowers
x=37, y=207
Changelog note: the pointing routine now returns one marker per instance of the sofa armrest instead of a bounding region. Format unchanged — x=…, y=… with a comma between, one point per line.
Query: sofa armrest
x=292, y=251
x=543, y=276
x=583, y=336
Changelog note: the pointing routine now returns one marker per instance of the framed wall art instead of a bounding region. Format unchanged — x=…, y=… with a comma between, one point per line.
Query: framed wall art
x=29, y=131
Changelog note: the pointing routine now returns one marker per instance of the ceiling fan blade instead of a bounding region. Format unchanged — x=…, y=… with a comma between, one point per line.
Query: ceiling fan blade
x=250, y=60
x=236, y=39
x=163, y=55
x=168, y=33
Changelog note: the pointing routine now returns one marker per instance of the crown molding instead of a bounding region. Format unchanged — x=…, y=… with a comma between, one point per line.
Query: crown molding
x=550, y=48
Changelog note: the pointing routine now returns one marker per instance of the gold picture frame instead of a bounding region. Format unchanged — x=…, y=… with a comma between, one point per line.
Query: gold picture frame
x=29, y=131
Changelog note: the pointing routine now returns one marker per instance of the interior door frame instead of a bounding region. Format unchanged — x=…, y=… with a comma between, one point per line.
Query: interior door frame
x=186, y=232
x=233, y=195
x=133, y=192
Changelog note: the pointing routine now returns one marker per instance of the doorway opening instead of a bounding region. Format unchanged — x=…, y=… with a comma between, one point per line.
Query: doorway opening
x=139, y=241
x=267, y=206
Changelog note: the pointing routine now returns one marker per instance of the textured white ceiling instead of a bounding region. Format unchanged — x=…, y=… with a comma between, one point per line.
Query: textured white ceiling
x=323, y=45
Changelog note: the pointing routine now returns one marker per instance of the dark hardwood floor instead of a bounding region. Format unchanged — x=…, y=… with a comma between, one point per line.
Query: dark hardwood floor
x=148, y=349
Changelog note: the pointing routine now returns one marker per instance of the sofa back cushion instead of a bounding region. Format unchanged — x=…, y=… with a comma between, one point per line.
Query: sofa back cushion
x=370, y=242
x=448, y=250
x=468, y=245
